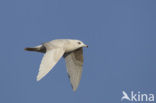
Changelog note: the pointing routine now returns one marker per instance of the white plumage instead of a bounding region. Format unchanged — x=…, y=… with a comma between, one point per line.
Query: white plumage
x=70, y=49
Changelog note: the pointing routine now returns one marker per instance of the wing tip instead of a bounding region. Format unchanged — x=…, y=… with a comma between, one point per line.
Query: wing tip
x=74, y=89
x=38, y=78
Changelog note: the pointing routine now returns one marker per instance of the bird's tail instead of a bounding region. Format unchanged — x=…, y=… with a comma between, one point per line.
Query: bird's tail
x=31, y=49
x=39, y=48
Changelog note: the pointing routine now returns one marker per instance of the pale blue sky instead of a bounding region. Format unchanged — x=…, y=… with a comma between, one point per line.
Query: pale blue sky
x=121, y=35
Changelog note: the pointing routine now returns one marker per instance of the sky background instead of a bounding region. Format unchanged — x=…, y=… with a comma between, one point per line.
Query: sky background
x=121, y=35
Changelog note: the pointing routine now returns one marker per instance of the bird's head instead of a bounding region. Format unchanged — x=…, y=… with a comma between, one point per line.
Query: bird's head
x=79, y=44
x=75, y=44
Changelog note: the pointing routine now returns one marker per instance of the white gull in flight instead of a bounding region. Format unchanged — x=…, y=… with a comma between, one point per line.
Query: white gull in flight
x=71, y=50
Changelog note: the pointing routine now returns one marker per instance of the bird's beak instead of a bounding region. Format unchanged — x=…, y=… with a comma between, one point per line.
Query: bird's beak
x=86, y=46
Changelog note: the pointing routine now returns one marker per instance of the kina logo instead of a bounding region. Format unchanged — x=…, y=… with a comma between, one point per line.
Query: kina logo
x=137, y=96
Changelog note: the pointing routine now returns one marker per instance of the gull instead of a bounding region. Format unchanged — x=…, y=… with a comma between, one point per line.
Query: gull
x=125, y=96
x=70, y=49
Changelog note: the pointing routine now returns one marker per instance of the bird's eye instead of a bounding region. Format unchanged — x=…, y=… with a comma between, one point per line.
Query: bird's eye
x=79, y=42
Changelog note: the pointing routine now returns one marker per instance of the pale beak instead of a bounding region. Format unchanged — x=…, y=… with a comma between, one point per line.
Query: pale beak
x=86, y=46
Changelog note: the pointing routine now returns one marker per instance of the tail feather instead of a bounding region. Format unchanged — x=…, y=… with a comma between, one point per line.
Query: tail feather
x=37, y=49
x=31, y=49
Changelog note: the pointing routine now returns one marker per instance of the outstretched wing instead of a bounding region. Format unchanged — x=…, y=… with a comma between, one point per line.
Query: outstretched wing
x=74, y=62
x=49, y=60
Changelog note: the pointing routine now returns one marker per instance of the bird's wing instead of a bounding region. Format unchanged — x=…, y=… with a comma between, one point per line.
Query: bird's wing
x=49, y=60
x=74, y=62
